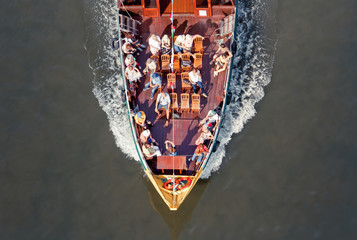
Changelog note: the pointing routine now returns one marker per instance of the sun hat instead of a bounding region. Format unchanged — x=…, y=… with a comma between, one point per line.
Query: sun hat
x=211, y=113
x=140, y=117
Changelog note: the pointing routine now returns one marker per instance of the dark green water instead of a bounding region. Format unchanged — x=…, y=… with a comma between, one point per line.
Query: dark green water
x=290, y=173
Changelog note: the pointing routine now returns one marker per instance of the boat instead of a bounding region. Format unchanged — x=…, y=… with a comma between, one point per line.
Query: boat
x=172, y=167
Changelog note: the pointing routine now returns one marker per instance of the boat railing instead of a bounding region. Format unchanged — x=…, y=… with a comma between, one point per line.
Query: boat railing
x=229, y=73
x=128, y=24
x=131, y=120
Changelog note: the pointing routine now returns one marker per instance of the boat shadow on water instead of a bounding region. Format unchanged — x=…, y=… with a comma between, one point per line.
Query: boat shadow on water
x=176, y=220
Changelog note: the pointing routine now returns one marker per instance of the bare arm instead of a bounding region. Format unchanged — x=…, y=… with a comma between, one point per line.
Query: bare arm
x=223, y=69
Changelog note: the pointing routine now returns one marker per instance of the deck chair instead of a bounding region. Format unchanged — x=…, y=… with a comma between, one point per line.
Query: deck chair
x=198, y=44
x=186, y=57
x=174, y=103
x=197, y=60
x=176, y=63
x=165, y=62
x=185, y=102
x=184, y=82
x=196, y=103
x=171, y=81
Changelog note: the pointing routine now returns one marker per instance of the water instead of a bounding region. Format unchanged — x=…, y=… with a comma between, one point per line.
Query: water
x=288, y=174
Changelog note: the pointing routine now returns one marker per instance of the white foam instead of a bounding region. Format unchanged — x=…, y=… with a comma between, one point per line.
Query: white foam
x=252, y=71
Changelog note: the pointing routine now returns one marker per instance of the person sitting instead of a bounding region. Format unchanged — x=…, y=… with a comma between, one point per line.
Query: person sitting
x=149, y=150
x=188, y=42
x=155, y=44
x=130, y=38
x=145, y=136
x=178, y=44
x=132, y=74
x=140, y=119
x=221, y=50
x=165, y=45
x=199, y=153
x=171, y=148
x=196, y=80
x=132, y=94
x=130, y=60
x=154, y=83
x=150, y=66
x=128, y=49
x=163, y=101
x=221, y=63
x=205, y=136
x=210, y=121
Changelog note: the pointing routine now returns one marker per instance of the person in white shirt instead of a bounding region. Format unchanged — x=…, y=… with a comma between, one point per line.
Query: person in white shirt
x=163, y=101
x=188, y=42
x=155, y=44
x=150, y=66
x=130, y=38
x=165, y=44
x=130, y=60
x=210, y=121
x=128, y=49
x=196, y=80
x=150, y=151
x=178, y=44
x=132, y=74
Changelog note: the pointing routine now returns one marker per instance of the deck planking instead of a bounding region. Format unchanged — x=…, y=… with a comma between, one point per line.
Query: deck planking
x=183, y=131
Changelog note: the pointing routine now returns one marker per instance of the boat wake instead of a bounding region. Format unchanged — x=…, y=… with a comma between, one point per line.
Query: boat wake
x=252, y=66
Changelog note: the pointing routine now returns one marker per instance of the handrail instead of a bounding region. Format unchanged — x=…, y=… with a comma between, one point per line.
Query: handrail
x=127, y=101
x=227, y=90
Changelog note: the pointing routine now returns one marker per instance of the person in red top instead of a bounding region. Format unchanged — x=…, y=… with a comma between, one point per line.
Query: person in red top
x=200, y=151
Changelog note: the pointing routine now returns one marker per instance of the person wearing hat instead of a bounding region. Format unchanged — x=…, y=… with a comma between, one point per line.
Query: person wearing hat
x=130, y=61
x=178, y=43
x=145, y=136
x=163, y=101
x=210, y=121
x=155, y=83
x=140, y=119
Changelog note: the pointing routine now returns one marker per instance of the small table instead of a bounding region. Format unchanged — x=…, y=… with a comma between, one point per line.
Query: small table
x=169, y=162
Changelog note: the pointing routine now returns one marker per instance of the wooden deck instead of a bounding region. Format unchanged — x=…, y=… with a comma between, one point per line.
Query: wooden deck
x=184, y=131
